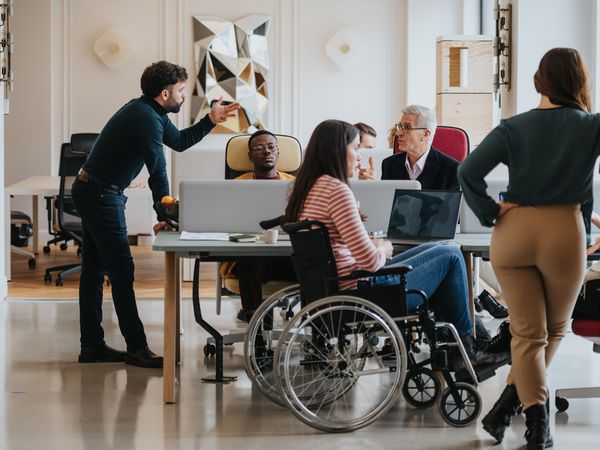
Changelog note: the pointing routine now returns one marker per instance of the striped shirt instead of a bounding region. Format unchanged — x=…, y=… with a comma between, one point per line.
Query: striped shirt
x=332, y=202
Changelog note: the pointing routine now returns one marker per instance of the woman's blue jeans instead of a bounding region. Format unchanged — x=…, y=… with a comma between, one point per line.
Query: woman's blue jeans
x=105, y=248
x=438, y=270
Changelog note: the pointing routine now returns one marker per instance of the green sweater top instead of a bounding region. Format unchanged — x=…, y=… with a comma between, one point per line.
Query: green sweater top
x=134, y=136
x=550, y=154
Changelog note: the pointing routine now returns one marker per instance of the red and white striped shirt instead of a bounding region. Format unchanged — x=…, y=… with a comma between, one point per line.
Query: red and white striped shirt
x=332, y=202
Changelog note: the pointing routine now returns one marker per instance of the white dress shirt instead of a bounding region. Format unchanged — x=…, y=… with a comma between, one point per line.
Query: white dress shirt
x=414, y=172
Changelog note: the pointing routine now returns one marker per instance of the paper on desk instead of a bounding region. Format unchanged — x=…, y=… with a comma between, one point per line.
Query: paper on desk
x=189, y=236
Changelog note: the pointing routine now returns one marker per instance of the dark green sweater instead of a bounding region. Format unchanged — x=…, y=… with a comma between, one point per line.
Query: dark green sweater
x=550, y=154
x=134, y=136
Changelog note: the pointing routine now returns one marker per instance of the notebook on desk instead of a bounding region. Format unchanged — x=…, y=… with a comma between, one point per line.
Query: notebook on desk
x=423, y=216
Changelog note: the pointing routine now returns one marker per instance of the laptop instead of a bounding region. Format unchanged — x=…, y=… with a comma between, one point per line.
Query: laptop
x=374, y=198
x=423, y=216
x=469, y=223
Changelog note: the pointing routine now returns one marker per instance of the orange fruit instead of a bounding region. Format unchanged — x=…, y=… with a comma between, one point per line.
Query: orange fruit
x=167, y=200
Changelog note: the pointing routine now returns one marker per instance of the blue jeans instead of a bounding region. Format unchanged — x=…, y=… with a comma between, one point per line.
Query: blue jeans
x=439, y=271
x=105, y=248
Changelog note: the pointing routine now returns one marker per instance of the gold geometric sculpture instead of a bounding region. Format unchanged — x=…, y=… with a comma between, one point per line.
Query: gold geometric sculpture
x=232, y=61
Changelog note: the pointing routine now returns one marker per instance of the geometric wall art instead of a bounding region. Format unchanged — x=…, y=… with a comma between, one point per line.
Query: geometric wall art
x=231, y=61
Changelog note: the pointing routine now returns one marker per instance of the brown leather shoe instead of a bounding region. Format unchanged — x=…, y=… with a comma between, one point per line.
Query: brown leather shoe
x=144, y=357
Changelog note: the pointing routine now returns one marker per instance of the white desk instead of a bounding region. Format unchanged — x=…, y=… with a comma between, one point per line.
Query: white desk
x=36, y=187
x=174, y=248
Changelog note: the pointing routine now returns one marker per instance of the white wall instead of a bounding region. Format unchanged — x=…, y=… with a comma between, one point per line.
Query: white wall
x=539, y=25
x=61, y=87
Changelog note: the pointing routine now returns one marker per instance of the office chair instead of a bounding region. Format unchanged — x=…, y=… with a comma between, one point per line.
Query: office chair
x=238, y=163
x=72, y=156
x=452, y=141
x=23, y=229
x=587, y=325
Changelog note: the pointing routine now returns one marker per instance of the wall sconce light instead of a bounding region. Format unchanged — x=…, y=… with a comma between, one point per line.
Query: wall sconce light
x=6, y=49
x=502, y=46
x=345, y=48
x=114, y=48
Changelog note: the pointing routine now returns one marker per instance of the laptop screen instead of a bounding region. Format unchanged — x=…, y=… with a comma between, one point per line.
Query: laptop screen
x=424, y=215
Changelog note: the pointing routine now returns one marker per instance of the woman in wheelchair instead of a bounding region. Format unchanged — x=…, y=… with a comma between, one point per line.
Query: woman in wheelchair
x=321, y=192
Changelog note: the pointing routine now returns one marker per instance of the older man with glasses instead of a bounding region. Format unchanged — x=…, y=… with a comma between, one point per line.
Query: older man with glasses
x=417, y=159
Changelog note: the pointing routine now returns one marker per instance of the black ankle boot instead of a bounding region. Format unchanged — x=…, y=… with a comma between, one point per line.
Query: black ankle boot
x=480, y=356
x=500, y=416
x=538, y=428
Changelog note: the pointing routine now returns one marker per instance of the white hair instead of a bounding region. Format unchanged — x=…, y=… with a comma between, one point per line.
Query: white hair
x=425, y=118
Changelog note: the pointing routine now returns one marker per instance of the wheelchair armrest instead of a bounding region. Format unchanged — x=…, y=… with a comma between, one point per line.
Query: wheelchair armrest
x=271, y=223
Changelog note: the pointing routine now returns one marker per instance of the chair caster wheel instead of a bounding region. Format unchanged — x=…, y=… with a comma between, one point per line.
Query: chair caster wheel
x=63, y=247
x=47, y=278
x=31, y=263
x=46, y=250
x=210, y=350
x=562, y=404
x=59, y=282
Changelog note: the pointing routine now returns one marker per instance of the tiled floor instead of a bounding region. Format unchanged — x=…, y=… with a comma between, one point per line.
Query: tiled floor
x=49, y=401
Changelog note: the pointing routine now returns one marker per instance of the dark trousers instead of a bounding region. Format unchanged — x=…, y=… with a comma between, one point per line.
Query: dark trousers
x=105, y=249
x=251, y=276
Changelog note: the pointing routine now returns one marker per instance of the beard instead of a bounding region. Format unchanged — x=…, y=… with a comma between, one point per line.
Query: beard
x=174, y=107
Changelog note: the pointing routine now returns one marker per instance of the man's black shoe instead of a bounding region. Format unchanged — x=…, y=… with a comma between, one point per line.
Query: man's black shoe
x=144, y=357
x=490, y=304
x=477, y=303
x=482, y=333
x=100, y=354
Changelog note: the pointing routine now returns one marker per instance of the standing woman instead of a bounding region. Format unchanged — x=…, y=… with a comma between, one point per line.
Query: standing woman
x=538, y=243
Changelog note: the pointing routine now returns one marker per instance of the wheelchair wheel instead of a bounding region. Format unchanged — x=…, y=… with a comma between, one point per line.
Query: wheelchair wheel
x=329, y=367
x=461, y=406
x=422, y=387
x=262, y=336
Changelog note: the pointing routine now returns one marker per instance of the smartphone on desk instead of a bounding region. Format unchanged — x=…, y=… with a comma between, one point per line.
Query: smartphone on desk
x=242, y=238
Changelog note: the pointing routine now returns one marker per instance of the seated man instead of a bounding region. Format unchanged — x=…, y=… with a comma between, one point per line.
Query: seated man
x=264, y=153
x=418, y=160
x=366, y=136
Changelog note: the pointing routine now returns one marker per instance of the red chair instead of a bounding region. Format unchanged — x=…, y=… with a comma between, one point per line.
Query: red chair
x=452, y=141
x=590, y=330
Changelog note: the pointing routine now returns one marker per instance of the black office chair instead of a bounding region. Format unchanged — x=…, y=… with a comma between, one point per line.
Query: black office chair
x=72, y=156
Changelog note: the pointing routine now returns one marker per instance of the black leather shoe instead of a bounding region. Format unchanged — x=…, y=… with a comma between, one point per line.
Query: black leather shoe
x=501, y=342
x=482, y=333
x=538, y=428
x=479, y=356
x=100, y=354
x=144, y=357
x=490, y=304
x=500, y=416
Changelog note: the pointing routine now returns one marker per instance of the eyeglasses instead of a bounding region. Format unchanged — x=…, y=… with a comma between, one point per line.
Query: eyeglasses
x=262, y=148
x=404, y=128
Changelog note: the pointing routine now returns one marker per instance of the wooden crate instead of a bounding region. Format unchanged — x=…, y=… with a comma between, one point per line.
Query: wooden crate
x=471, y=112
x=479, y=60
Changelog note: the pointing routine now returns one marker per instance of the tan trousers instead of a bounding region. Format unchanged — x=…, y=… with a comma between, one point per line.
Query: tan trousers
x=538, y=254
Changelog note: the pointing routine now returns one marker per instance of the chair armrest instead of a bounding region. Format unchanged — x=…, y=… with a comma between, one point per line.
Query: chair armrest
x=271, y=223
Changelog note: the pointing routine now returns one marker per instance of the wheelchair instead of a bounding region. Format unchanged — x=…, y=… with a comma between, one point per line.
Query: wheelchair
x=339, y=360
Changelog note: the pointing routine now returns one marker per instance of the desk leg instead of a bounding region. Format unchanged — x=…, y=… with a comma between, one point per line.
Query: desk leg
x=469, y=264
x=178, y=312
x=170, y=328
x=35, y=225
x=7, y=267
